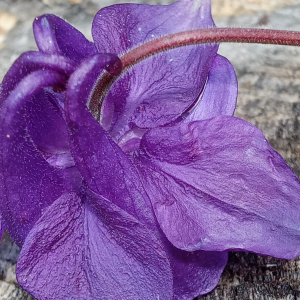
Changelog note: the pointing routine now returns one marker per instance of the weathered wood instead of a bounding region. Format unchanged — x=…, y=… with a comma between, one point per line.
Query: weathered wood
x=9, y=289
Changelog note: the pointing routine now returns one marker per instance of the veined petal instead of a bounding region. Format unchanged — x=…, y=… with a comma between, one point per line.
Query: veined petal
x=104, y=166
x=159, y=89
x=121, y=27
x=88, y=250
x=218, y=185
x=28, y=183
x=55, y=36
x=220, y=93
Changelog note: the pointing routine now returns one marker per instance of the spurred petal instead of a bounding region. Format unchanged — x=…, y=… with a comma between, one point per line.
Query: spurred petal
x=220, y=93
x=104, y=166
x=92, y=250
x=44, y=117
x=28, y=183
x=55, y=36
x=217, y=185
x=159, y=89
x=33, y=61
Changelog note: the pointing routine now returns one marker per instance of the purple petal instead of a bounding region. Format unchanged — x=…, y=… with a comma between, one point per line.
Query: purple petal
x=218, y=185
x=33, y=61
x=55, y=36
x=92, y=250
x=220, y=94
x=104, y=166
x=121, y=27
x=108, y=171
x=47, y=129
x=195, y=273
x=159, y=89
x=2, y=228
x=28, y=183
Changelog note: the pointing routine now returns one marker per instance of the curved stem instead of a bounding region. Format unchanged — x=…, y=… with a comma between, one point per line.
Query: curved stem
x=192, y=37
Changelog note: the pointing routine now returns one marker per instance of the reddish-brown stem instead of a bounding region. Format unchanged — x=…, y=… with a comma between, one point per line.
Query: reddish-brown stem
x=192, y=37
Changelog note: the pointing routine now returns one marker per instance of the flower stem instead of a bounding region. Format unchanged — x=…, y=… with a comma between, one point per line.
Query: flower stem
x=192, y=37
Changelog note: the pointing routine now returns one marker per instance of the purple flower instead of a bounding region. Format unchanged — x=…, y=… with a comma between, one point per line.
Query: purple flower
x=143, y=202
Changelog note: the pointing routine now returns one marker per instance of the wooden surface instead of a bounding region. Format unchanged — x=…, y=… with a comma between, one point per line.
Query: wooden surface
x=269, y=97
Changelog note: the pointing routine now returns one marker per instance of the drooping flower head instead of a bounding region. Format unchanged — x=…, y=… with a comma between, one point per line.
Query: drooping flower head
x=135, y=192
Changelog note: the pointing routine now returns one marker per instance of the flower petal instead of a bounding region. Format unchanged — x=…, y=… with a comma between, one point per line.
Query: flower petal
x=220, y=94
x=28, y=183
x=33, y=61
x=121, y=27
x=104, y=166
x=159, y=89
x=45, y=123
x=195, y=273
x=2, y=228
x=218, y=185
x=108, y=171
x=92, y=250
x=47, y=128
x=55, y=36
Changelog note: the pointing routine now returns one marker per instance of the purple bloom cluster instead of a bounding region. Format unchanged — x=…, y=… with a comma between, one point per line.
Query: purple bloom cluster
x=145, y=202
